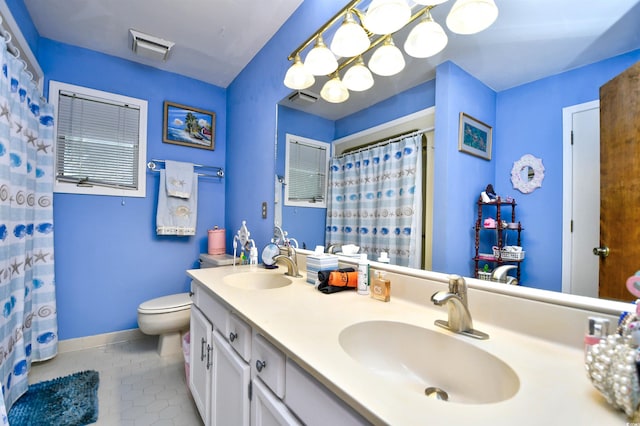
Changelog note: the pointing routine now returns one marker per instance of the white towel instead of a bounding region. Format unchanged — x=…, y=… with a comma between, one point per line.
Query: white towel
x=175, y=215
x=178, y=178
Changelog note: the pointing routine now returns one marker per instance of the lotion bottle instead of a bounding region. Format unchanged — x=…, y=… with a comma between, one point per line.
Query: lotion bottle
x=363, y=275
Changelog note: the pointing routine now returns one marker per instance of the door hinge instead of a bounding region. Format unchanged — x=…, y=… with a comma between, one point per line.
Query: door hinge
x=572, y=137
x=571, y=225
x=250, y=390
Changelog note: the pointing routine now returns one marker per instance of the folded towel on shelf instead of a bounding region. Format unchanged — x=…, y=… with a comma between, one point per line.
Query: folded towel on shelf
x=335, y=280
x=176, y=215
x=179, y=178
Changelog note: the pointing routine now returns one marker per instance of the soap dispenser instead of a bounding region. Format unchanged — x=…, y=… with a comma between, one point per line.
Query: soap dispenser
x=363, y=275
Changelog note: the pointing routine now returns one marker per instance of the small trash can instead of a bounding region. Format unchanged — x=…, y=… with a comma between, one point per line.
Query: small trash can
x=186, y=340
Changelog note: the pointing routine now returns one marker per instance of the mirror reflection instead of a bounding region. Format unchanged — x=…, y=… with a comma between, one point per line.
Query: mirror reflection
x=527, y=117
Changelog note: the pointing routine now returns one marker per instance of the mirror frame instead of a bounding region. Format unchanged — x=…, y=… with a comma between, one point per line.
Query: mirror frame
x=527, y=186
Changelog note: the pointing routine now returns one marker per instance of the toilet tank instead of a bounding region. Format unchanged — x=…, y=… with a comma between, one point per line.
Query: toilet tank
x=215, y=260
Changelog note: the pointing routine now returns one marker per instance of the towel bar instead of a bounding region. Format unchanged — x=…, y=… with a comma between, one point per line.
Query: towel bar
x=219, y=172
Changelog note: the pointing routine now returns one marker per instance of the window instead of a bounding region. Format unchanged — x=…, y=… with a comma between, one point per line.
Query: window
x=101, y=141
x=306, y=174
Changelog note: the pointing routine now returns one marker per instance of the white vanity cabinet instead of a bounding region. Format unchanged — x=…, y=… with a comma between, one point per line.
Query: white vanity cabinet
x=218, y=378
x=200, y=362
x=239, y=377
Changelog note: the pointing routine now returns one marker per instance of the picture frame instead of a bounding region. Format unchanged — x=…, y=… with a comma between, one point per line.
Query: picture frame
x=188, y=126
x=474, y=137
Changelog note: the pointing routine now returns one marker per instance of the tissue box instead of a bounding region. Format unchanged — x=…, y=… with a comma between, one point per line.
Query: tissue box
x=320, y=262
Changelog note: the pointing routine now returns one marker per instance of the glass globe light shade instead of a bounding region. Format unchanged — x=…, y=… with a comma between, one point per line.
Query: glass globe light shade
x=426, y=39
x=387, y=60
x=350, y=39
x=358, y=78
x=334, y=91
x=297, y=76
x=386, y=16
x=320, y=60
x=471, y=16
x=430, y=2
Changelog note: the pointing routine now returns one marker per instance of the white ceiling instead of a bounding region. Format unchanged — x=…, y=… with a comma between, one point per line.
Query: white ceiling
x=215, y=40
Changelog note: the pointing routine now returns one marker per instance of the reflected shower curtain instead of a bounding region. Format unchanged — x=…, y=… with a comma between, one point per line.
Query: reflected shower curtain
x=28, y=322
x=375, y=201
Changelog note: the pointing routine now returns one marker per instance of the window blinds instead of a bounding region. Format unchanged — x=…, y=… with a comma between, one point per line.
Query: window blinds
x=98, y=142
x=307, y=168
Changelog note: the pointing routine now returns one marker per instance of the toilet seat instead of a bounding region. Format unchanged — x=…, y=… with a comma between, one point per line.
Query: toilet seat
x=166, y=304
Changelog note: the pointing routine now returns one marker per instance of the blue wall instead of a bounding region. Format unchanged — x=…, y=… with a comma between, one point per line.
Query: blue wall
x=251, y=126
x=458, y=177
x=415, y=99
x=529, y=121
x=297, y=219
x=108, y=257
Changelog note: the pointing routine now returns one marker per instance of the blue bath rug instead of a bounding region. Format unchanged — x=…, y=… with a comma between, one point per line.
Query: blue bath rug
x=66, y=401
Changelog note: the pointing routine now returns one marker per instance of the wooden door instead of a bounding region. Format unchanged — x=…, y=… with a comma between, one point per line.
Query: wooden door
x=620, y=182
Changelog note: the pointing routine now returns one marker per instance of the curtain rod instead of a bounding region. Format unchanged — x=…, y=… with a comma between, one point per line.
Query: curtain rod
x=12, y=48
x=387, y=141
x=219, y=172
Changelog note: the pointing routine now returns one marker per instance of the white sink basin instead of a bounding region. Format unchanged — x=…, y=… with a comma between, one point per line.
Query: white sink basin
x=257, y=280
x=418, y=358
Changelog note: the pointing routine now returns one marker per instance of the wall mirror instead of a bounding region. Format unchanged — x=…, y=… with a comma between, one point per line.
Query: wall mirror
x=325, y=117
x=527, y=174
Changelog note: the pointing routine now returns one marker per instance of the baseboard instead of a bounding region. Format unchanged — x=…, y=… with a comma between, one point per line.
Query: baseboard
x=88, y=342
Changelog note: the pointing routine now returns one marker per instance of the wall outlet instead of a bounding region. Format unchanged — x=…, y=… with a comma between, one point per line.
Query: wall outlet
x=264, y=209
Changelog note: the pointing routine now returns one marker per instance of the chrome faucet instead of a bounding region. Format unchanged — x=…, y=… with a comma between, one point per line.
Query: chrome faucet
x=292, y=266
x=286, y=245
x=458, y=307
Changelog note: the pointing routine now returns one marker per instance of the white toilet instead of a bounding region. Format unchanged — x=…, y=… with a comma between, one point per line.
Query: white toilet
x=166, y=317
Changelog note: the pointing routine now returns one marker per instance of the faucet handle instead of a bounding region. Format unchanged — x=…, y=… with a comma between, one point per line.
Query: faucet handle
x=455, y=283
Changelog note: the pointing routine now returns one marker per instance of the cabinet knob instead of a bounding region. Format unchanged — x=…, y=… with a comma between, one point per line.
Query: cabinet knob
x=260, y=365
x=233, y=336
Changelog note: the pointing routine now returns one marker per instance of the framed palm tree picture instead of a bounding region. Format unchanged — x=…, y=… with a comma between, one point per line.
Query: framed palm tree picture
x=188, y=126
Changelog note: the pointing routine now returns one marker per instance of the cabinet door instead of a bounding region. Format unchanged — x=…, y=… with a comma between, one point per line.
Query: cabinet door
x=231, y=405
x=200, y=363
x=267, y=410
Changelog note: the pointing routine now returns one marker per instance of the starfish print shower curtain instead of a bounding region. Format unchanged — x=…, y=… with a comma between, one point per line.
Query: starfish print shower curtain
x=28, y=320
x=375, y=201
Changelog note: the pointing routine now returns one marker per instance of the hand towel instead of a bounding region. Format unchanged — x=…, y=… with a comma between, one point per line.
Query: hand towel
x=324, y=278
x=175, y=215
x=179, y=178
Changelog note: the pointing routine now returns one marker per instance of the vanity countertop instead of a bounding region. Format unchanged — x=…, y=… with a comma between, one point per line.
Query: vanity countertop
x=306, y=324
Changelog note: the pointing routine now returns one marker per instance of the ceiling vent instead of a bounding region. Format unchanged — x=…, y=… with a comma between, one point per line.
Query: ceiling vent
x=303, y=98
x=149, y=46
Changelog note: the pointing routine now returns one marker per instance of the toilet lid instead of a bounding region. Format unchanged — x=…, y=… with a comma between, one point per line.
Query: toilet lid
x=171, y=303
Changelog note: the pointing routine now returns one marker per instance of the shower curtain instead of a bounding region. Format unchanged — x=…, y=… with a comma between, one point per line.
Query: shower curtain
x=375, y=201
x=28, y=322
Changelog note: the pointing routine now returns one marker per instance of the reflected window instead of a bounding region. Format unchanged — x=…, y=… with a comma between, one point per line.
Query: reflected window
x=306, y=172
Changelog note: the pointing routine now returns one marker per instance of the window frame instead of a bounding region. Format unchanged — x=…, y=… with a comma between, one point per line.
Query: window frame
x=290, y=139
x=55, y=87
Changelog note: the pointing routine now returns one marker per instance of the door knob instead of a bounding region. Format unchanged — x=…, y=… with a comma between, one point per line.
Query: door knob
x=601, y=251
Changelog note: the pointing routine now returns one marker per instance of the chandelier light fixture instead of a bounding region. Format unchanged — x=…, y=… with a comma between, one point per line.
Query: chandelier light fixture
x=371, y=30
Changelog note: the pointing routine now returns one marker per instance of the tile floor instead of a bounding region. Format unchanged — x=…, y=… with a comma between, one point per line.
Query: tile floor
x=137, y=386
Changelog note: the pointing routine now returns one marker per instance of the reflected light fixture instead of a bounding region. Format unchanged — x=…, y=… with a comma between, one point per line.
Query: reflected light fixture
x=358, y=78
x=334, y=90
x=471, y=16
x=360, y=34
x=430, y=2
x=350, y=39
x=426, y=39
x=387, y=60
x=320, y=60
x=387, y=16
x=297, y=76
